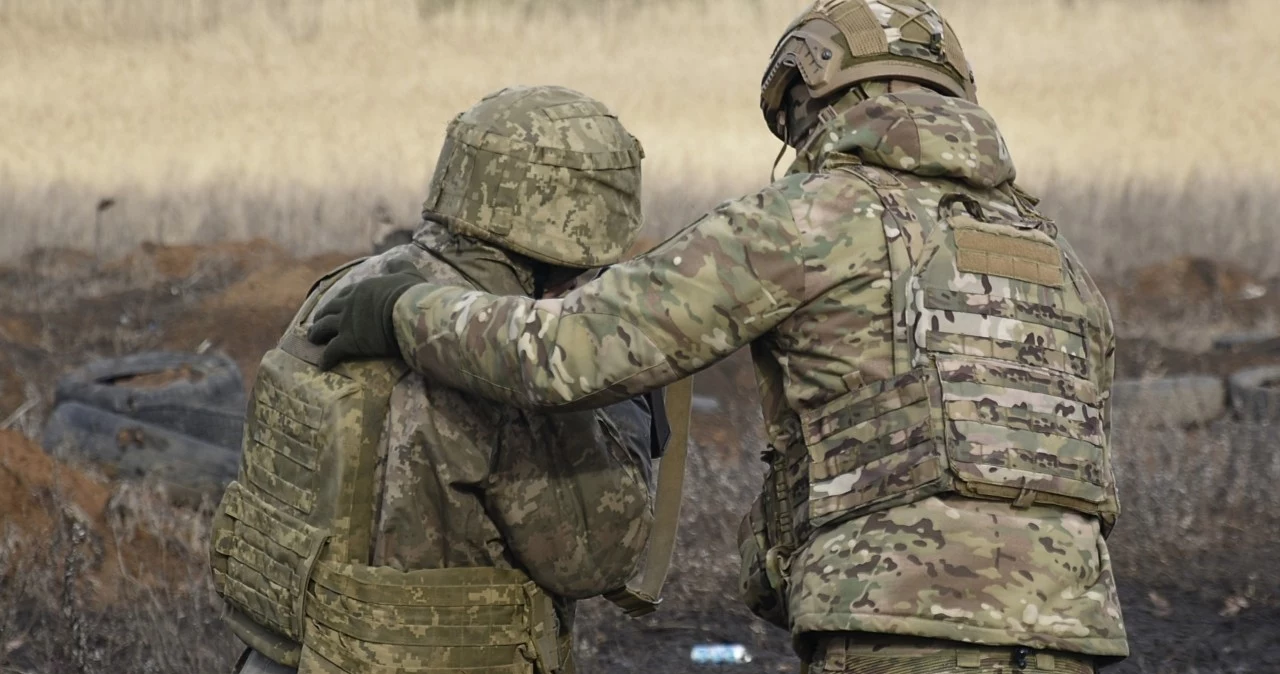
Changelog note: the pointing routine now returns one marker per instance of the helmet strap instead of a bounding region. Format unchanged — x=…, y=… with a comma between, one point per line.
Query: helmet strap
x=786, y=142
x=773, y=173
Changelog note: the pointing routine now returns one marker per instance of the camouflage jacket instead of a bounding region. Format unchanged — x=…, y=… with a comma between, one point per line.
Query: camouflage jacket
x=466, y=482
x=800, y=272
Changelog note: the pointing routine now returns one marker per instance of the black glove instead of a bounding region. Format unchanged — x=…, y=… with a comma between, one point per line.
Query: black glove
x=357, y=322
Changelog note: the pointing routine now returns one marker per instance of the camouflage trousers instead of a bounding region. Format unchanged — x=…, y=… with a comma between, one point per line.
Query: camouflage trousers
x=884, y=654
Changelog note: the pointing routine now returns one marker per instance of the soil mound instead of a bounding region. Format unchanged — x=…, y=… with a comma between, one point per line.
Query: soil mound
x=182, y=261
x=63, y=522
x=1198, y=279
x=282, y=285
x=60, y=308
x=1202, y=291
x=34, y=486
x=247, y=317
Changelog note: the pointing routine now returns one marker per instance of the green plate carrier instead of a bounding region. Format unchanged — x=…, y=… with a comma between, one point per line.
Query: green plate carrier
x=292, y=539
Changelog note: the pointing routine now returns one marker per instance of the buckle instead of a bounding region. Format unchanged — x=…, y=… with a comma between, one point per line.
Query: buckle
x=633, y=603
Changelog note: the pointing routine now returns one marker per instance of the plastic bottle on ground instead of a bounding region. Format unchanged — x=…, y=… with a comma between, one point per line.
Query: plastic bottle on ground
x=719, y=654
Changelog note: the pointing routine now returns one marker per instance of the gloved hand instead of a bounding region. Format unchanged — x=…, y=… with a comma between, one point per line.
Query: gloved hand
x=357, y=322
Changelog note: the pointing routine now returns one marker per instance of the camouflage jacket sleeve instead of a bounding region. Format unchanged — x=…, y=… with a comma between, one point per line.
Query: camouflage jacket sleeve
x=707, y=291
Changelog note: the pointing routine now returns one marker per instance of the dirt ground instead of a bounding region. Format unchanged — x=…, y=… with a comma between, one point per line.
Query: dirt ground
x=41, y=498
x=1169, y=315
x=60, y=309
x=1190, y=636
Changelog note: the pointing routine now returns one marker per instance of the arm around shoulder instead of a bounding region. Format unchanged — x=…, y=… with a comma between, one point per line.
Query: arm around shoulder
x=706, y=292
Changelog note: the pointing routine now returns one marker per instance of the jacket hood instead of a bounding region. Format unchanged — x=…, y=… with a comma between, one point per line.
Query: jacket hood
x=489, y=267
x=918, y=131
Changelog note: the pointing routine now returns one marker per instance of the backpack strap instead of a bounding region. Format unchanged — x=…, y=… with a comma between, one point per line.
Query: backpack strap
x=904, y=237
x=642, y=596
x=294, y=342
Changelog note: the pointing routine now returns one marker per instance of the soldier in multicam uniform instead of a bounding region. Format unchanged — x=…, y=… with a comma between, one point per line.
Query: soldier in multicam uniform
x=934, y=365
x=385, y=522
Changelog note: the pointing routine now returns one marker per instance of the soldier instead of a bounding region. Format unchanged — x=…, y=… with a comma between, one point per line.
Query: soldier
x=384, y=522
x=934, y=364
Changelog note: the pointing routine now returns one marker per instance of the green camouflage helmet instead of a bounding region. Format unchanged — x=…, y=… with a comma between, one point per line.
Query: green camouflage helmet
x=546, y=172
x=836, y=44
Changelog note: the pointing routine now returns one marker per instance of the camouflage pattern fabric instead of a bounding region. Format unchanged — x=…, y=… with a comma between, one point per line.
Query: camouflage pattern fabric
x=835, y=44
x=467, y=482
x=382, y=521
x=478, y=510
x=801, y=272
x=303, y=494
x=1001, y=344
x=877, y=654
x=542, y=171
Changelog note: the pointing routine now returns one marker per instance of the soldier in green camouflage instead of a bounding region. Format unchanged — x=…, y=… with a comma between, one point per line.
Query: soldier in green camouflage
x=486, y=522
x=934, y=364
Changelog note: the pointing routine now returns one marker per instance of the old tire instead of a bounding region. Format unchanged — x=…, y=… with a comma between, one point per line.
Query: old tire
x=130, y=448
x=1263, y=340
x=1168, y=401
x=204, y=398
x=1255, y=394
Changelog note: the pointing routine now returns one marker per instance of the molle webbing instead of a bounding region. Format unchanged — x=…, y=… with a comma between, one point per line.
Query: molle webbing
x=293, y=534
x=262, y=559
x=367, y=620
x=861, y=28
x=996, y=390
x=890, y=654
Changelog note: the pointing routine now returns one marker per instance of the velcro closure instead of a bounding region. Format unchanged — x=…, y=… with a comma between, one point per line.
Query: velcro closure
x=1009, y=256
x=860, y=27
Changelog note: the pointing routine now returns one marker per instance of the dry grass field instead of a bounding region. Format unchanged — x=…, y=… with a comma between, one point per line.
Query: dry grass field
x=266, y=133
x=1148, y=124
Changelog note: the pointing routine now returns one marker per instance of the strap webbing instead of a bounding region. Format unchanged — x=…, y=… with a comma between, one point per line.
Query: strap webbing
x=642, y=597
x=904, y=234
x=297, y=346
x=294, y=342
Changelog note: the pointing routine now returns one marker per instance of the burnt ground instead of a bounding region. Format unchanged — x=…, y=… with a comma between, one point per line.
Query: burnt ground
x=1195, y=550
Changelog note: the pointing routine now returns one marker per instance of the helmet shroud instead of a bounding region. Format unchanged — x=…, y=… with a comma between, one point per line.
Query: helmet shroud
x=836, y=44
x=545, y=172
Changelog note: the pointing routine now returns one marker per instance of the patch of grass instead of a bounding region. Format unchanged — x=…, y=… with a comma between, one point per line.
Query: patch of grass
x=1199, y=509
x=290, y=120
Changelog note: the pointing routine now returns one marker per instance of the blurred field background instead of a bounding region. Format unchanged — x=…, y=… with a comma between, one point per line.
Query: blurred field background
x=239, y=148
x=1149, y=125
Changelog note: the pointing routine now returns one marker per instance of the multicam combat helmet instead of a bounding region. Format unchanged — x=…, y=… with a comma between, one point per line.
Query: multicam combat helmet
x=546, y=172
x=838, y=43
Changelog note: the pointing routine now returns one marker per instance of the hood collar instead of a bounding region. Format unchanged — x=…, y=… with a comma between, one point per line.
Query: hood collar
x=919, y=132
x=489, y=267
